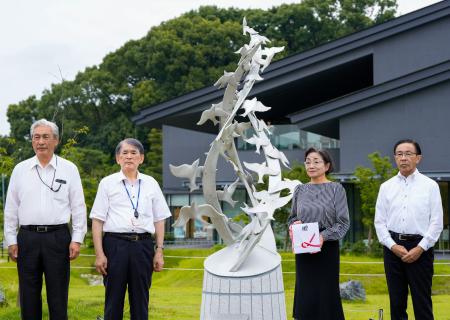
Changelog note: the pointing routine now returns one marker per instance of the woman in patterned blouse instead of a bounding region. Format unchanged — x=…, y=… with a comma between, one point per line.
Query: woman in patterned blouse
x=317, y=295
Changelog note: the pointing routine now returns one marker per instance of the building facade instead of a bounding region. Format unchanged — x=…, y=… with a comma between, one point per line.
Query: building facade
x=353, y=96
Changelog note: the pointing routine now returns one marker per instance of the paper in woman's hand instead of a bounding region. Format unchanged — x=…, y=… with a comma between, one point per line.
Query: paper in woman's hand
x=305, y=237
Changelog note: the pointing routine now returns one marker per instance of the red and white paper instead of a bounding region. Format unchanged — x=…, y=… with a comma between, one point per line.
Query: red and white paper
x=305, y=237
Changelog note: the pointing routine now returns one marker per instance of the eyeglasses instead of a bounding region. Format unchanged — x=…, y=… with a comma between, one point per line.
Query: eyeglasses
x=314, y=163
x=406, y=154
x=45, y=137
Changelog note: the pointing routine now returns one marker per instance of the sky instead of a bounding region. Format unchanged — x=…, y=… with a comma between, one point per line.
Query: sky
x=42, y=42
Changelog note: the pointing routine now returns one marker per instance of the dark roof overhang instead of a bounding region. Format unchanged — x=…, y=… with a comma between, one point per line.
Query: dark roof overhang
x=324, y=118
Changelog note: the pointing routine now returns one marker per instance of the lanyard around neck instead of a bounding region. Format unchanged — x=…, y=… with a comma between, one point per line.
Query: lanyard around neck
x=136, y=213
x=53, y=180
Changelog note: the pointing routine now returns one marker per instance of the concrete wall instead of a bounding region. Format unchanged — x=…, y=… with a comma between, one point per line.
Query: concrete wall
x=412, y=50
x=423, y=116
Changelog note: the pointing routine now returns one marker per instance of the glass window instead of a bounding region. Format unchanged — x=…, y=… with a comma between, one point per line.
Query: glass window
x=288, y=137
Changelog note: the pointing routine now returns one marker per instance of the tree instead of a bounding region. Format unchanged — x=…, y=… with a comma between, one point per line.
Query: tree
x=368, y=181
x=153, y=158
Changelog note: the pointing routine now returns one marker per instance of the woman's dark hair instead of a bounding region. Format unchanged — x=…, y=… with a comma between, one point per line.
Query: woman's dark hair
x=131, y=141
x=415, y=143
x=324, y=155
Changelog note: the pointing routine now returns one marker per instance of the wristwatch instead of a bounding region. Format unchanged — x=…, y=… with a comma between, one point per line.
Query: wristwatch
x=159, y=247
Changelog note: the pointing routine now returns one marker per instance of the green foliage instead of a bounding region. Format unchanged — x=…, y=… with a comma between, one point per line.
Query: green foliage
x=6, y=159
x=153, y=159
x=368, y=181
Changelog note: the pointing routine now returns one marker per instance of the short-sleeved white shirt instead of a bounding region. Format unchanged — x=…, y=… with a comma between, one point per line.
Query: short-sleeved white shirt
x=113, y=206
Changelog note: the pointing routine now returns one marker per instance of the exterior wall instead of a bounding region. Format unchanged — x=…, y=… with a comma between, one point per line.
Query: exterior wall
x=412, y=50
x=423, y=116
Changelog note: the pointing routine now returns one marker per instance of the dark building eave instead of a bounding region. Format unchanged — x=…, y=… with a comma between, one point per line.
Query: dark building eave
x=285, y=71
x=320, y=117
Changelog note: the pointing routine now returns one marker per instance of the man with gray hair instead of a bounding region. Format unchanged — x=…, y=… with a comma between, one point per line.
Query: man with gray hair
x=44, y=194
x=129, y=207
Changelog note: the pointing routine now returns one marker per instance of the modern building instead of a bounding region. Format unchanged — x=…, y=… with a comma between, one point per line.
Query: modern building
x=354, y=96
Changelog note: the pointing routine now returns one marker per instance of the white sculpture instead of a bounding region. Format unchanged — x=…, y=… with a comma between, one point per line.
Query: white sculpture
x=251, y=250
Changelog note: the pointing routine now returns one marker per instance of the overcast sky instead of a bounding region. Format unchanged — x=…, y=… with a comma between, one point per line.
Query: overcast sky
x=39, y=38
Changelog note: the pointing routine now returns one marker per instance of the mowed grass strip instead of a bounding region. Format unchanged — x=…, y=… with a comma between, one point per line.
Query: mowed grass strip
x=176, y=294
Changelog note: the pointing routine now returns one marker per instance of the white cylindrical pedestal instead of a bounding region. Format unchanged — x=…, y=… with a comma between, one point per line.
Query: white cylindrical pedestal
x=243, y=297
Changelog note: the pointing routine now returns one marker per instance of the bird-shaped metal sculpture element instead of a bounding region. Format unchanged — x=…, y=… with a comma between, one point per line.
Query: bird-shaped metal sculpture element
x=188, y=171
x=228, y=77
x=227, y=193
x=212, y=113
x=258, y=141
x=187, y=213
x=240, y=129
x=277, y=154
x=268, y=205
x=253, y=106
x=269, y=53
x=261, y=169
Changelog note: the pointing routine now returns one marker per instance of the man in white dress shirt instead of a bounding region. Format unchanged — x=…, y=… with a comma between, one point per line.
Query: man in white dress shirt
x=408, y=222
x=129, y=207
x=44, y=192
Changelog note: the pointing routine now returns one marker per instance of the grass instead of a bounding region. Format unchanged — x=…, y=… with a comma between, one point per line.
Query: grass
x=177, y=294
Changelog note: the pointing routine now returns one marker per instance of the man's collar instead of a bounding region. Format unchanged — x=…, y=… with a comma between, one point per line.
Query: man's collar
x=121, y=176
x=35, y=162
x=411, y=176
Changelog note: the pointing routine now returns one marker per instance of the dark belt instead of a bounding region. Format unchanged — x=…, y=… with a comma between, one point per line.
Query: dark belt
x=129, y=236
x=405, y=236
x=44, y=228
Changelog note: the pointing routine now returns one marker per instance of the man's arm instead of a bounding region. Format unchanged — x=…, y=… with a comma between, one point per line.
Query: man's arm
x=380, y=222
x=78, y=212
x=434, y=229
x=101, y=262
x=158, y=259
x=11, y=217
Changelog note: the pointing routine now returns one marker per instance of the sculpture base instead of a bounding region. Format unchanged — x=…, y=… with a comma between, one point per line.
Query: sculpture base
x=256, y=297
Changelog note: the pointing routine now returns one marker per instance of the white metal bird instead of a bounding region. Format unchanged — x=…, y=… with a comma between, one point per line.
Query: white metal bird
x=269, y=53
x=285, y=184
x=253, y=106
x=262, y=126
x=261, y=169
x=227, y=78
x=277, y=154
x=187, y=213
x=241, y=127
x=268, y=205
x=188, y=171
x=212, y=113
x=258, y=141
x=227, y=193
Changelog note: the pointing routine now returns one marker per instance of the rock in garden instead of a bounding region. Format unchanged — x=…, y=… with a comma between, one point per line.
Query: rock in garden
x=352, y=290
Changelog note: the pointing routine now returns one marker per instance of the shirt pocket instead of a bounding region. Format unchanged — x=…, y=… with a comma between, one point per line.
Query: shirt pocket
x=62, y=195
x=146, y=206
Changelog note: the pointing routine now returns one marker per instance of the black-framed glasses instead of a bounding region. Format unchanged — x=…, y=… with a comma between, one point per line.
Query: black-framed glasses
x=406, y=154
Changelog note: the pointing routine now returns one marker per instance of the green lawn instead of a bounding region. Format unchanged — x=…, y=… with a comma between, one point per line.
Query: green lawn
x=176, y=294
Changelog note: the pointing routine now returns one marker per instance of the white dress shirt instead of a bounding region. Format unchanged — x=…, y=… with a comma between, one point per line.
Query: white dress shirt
x=113, y=206
x=30, y=202
x=410, y=205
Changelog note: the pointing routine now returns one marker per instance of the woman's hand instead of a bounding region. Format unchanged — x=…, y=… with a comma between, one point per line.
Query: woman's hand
x=321, y=241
